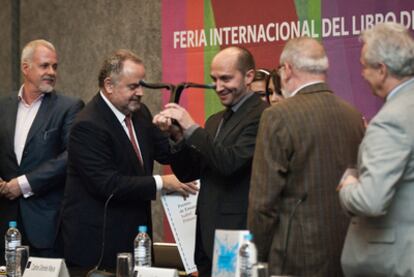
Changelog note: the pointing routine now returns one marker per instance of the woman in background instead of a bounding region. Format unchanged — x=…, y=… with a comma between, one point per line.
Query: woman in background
x=267, y=84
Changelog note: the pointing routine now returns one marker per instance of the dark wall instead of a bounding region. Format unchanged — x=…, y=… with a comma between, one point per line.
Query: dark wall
x=5, y=46
x=84, y=32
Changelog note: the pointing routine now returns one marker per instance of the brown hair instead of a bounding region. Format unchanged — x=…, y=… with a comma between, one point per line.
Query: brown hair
x=113, y=65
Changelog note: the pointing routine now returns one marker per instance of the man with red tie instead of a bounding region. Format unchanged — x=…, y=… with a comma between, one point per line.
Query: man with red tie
x=112, y=147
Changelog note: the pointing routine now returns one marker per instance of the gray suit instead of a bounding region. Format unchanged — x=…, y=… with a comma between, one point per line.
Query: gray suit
x=44, y=164
x=380, y=238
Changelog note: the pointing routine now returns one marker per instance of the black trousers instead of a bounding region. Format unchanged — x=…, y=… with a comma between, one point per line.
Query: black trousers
x=202, y=260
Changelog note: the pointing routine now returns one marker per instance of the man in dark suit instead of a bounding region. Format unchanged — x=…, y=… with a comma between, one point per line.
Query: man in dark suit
x=220, y=154
x=112, y=148
x=35, y=129
x=303, y=146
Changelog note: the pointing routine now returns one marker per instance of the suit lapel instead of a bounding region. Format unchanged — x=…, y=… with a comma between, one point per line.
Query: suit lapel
x=10, y=125
x=42, y=116
x=238, y=116
x=213, y=124
x=118, y=130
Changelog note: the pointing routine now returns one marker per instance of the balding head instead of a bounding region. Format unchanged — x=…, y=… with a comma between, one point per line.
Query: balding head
x=240, y=57
x=305, y=54
x=232, y=71
x=303, y=60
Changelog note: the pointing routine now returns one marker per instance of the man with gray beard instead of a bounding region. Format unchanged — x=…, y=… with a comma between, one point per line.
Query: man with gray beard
x=35, y=126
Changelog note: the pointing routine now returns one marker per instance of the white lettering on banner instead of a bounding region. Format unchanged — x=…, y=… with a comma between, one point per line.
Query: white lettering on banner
x=285, y=30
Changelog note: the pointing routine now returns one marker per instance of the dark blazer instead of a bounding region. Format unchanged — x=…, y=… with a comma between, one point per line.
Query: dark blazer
x=102, y=162
x=44, y=163
x=223, y=166
x=304, y=145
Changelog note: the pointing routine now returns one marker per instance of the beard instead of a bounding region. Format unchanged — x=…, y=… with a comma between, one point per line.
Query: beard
x=45, y=88
x=134, y=104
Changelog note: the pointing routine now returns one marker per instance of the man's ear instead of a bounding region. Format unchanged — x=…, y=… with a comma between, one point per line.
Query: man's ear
x=108, y=85
x=25, y=68
x=383, y=71
x=287, y=68
x=249, y=77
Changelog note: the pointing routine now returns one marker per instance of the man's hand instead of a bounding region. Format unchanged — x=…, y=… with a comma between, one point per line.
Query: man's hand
x=12, y=189
x=348, y=180
x=172, y=184
x=178, y=113
x=163, y=122
x=3, y=188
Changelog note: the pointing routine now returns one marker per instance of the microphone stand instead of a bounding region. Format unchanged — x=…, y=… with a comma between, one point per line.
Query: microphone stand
x=96, y=272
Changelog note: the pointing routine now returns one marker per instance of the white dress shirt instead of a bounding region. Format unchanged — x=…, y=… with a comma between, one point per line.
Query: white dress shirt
x=121, y=118
x=26, y=113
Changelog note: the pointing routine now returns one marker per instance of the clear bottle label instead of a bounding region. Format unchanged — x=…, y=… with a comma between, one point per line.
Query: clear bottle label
x=13, y=244
x=140, y=252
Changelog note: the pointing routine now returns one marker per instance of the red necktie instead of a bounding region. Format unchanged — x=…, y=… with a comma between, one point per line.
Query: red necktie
x=132, y=138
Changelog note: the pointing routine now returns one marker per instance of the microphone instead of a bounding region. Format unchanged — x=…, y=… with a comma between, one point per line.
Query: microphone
x=95, y=272
x=292, y=214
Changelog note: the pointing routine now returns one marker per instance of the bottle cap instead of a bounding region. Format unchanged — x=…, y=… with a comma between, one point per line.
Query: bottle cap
x=12, y=224
x=248, y=237
x=142, y=229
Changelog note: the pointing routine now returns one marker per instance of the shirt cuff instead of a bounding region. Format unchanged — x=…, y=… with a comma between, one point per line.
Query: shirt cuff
x=190, y=130
x=24, y=186
x=158, y=182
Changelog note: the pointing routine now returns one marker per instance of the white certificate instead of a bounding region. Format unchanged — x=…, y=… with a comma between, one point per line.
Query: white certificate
x=182, y=218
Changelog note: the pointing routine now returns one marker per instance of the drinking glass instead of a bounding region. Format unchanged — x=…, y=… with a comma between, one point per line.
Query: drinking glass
x=123, y=265
x=23, y=253
x=261, y=269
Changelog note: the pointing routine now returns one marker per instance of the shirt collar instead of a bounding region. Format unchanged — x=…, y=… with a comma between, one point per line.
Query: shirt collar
x=21, y=99
x=303, y=86
x=120, y=116
x=236, y=106
x=399, y=88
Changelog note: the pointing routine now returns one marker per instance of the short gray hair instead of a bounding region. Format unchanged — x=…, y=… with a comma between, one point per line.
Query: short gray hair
x=391, y=44
x=303, y=55
x=29, y=49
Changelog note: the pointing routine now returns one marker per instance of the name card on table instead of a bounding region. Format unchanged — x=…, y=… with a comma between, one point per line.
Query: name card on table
x=181, y=215
x=156, y=272
x=45, y=267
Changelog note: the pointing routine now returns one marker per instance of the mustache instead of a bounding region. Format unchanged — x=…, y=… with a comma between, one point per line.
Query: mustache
x=135, y=98
x=49, y=78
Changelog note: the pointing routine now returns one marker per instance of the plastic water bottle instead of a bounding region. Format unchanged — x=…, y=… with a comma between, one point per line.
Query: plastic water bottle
x=142, y=248
x=248, y=256
x=12, y=239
